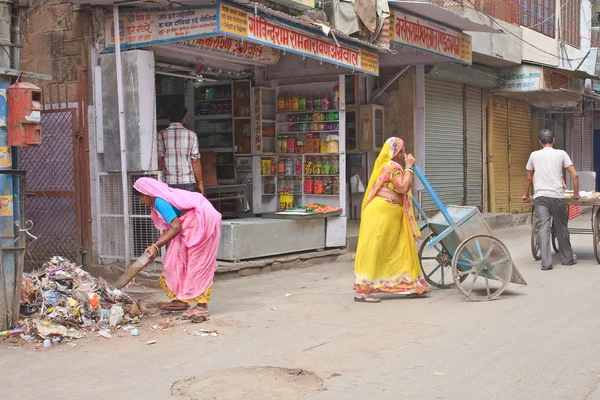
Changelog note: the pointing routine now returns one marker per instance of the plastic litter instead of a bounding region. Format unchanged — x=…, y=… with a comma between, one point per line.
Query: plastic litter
x=115, y=315
x=207, y=332
x=47, y=343
x=134, y=332
x=151, y=342
x=105, y=334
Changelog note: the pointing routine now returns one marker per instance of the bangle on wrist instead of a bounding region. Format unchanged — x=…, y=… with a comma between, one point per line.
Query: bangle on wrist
x=156, y=247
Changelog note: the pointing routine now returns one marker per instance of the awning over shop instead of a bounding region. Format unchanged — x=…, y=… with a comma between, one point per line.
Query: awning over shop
x=442, y=15
x=234, y=30
x=544, y=87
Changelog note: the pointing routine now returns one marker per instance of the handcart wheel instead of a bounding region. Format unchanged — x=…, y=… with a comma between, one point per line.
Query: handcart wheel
x=596, y=232
x=536, y=252
x=436, y=264
x=485, y=260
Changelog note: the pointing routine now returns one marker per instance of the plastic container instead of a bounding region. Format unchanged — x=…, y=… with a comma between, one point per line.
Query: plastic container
x=291, y=145
x=289, y=166
x=328, y=182
x=335, y=166
x=310, y=106
x=332, y=145
x=288, y=104
x=299, y=147
x=325, y=166
x=319, y=186
x=336, y=186
x=281, y=167
x=281, y=104
x=309, y=185
x=336, y=98
x=301, y=103
x=295, y=103
x=298, y=166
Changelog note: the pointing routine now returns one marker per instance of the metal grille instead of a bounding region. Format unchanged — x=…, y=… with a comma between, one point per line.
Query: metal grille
x=50, y=188
x=111, y=235
x=519, y=142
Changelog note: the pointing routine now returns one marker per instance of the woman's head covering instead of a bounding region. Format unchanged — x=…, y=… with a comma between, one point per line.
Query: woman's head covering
x=183, y=200
x=382, y=171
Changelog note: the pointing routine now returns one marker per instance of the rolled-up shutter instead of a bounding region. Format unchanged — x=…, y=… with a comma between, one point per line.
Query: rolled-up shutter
x=498, y=154
x=444, y=145
x=587, y=132
x=474, y=161
x=576, y=142
x=519, y=120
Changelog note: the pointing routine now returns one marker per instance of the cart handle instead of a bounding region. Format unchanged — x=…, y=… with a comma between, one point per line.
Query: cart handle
x=433, y=195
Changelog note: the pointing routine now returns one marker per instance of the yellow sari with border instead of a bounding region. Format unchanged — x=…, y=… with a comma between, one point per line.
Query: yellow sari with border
x=386, y=258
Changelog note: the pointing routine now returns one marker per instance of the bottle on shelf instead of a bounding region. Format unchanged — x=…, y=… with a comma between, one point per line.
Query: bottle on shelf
x=336, y=98
x=281, y=167
x=289, y=166
x=295, y=105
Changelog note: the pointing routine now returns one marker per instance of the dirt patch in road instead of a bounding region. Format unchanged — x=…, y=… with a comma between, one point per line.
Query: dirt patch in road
x=254, y=383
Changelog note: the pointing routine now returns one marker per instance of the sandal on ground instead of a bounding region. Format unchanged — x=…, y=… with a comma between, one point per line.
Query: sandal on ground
x=174, y=306
x=367, y=299
x=196, y=312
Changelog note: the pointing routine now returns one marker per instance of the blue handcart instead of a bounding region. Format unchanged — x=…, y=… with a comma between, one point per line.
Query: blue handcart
x=460, y=250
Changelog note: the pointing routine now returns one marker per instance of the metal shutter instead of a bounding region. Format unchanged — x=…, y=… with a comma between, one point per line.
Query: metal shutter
x=576, y=142
x=498, y=154
x=444, y=167
x=587, y=133
x=474, y=123
x=519, y=127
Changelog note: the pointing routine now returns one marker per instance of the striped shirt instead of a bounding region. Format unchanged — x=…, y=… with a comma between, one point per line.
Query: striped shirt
x=178, y=146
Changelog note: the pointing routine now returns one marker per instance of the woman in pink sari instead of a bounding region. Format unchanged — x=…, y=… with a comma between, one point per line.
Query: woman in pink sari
x=192, y=228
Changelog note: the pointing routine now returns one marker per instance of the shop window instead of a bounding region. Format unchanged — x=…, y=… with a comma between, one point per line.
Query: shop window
x=570, y=22
x=539, y=15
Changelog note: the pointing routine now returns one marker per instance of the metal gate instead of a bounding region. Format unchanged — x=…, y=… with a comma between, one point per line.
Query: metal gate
x=57, y=190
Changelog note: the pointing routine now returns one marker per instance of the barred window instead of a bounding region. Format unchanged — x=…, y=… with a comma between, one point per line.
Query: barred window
x=570, y=22
x=539, y=15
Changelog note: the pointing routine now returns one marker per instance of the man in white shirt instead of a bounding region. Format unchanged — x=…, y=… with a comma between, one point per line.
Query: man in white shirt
x=544, y=169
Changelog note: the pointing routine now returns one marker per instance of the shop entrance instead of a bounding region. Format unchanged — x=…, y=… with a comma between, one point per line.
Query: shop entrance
x=58, y=202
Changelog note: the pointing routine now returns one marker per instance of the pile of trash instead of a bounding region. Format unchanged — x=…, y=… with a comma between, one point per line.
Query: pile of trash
x=61, y=301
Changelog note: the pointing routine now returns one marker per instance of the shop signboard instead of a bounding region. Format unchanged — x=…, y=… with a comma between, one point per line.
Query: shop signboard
x=419, y=33
x=264, y=30
x=532, y=78
x=524, y=78
x=236, y=48
x=142, y=28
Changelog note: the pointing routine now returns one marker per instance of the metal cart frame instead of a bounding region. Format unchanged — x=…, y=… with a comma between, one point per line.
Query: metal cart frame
x=594, y=230
x=465, y=244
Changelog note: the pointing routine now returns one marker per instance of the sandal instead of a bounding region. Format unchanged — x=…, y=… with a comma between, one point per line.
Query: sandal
x=195, y=312
x=367, y=299
x=175, y=305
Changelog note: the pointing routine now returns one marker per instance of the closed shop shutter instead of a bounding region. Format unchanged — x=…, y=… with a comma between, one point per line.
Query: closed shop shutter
x=587, y=142
x=498, y=154
x=474, y=116
x=519, y=119
x=444, y=142
x=576, y=142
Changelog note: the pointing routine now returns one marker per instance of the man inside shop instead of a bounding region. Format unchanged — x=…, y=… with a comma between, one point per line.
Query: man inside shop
x=544, y=170
x=179, y=154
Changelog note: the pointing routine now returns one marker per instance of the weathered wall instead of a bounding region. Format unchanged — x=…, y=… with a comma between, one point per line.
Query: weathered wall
x=56, y=41
x=399, y=102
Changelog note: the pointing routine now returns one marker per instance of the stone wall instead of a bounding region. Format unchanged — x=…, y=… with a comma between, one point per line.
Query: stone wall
x=57, y=39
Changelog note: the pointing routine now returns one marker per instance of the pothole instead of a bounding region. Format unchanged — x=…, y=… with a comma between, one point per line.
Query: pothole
x=253, y=383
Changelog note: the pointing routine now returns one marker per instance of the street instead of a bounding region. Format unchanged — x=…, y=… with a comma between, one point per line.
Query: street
x=534, y=342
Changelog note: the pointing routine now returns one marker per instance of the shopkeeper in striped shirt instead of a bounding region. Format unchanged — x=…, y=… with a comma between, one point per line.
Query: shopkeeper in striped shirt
x=179, y=155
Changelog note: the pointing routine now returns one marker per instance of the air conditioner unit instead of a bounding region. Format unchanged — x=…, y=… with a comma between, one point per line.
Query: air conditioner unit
x=111, y=235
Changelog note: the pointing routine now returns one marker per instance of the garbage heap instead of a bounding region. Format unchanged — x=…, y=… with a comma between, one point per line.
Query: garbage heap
x=61, y=301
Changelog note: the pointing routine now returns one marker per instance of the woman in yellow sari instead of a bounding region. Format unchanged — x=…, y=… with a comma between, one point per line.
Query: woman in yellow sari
x=386, y=257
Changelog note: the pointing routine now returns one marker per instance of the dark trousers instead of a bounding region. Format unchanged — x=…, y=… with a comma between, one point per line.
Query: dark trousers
x=190, y=187
x=547, y=211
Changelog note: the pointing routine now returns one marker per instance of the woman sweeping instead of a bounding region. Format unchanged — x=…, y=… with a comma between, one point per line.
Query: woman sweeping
x=192, y=228
x=386, y=257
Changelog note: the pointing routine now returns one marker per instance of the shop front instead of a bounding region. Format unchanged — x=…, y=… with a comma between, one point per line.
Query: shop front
x=273, y=148
x=446, y=132
x=531, y=98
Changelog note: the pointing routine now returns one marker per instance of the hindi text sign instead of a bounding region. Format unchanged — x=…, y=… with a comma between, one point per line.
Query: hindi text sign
x=412, y=31
x=231, y=47
x=265, y=30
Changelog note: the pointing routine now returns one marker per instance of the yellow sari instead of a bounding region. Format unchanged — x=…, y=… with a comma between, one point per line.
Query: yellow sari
x=386, y=257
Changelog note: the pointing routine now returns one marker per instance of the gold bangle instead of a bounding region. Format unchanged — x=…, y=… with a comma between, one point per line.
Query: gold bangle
x=156, y=247
x=410, y=170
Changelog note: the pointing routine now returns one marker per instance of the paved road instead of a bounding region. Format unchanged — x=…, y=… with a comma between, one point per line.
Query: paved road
x=535, y=342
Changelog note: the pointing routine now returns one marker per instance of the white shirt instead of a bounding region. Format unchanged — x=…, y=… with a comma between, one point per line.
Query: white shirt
x=548, y=164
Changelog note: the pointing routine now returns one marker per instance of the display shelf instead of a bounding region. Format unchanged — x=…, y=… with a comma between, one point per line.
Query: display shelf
x=305, y=112
x=295, y=132
x=306, y=122
x=217, y=149
x=210, y=101
x=248, y=117
x=209, y=117
x=268, y=121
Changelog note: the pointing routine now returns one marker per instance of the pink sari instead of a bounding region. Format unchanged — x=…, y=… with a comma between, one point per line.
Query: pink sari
x=191, y=259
